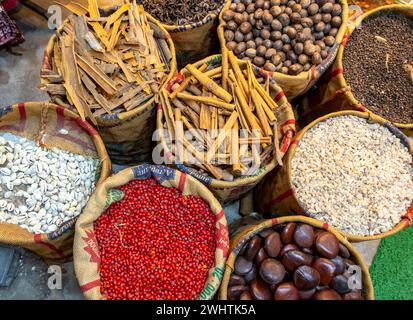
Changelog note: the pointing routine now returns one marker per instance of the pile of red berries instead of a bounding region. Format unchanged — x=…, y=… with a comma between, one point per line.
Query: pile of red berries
x=155, y=244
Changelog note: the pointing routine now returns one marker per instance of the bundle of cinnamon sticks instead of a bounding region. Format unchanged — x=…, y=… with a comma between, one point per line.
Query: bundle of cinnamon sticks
x=229, y=115
x=105, y=63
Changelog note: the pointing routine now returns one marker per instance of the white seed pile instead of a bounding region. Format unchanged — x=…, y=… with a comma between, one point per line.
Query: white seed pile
x=356, y=176
x=40, y=189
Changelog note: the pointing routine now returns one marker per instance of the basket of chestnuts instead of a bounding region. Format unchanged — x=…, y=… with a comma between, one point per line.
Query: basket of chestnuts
x=295, y=41
x=294, y=258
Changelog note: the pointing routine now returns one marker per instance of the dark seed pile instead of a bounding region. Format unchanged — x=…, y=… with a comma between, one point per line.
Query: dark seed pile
x=386, y=88
x=180, y=12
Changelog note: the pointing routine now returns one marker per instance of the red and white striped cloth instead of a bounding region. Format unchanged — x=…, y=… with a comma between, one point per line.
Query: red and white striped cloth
x=10, y=34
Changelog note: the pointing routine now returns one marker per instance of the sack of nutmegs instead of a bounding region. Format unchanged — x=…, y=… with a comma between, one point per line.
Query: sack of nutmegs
x=294, y=258
x=293, y=41
x=373, y=71
x=151, y=232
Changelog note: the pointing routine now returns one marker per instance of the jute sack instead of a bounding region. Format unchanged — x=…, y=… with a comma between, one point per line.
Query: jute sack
x=276, y=195
x=127, y=135
x=51, y=126
x=86, y=250
x=332, y=92
x=196, y=40
x=228, y=191
x=246, y=233
x=294, y=86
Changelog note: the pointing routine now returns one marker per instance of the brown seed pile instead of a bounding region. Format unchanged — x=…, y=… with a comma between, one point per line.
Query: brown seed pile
x=180, y=12
x=378, y=66
x=282, y=35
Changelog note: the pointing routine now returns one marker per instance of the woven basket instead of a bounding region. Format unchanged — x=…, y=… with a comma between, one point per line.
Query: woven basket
x=243, y=235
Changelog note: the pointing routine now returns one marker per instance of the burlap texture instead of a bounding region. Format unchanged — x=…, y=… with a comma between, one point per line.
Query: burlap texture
x=228, y=191
x=294, y=86
x=332, y=92
x=276, y=196
x=245, y=233
x=127, y=135
x=60, y=128
x=86, y=250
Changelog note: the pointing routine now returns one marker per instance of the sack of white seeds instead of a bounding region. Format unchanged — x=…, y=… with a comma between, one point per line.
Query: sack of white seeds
x=351, y=170
x=50, y=161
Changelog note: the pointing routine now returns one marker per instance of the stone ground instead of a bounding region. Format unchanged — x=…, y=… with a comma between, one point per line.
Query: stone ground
x=19, y=78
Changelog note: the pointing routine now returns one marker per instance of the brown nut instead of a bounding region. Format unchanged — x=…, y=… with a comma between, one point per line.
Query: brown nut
x=304, y=233
x=276, y=25
x=228, y=15
x=275, y=11
x=284, y=19
x=258, y=14
x=272, y=244
x=245, y=27
x=267, y=18
x=287, y=247
x=267, y=43
x=309, y=49
x=295, y=17
x=265, y=34
x=238, y=36
x=231, y=25
x=261, y=256
x=329, y=41
x=260, y=290
x=313, y=9
x=278, y=45
x=327, y=8
x=284, y=70
x=326, y=17
x=231, y=45
x=250, y=8
x=288, y=232
x=236, y=280
x=258, y=41
x=228, y=35
x=295, y=69
x=316, y=18
x=251, y=53
x=295, y=258
x=326, y=294
x=235, y=291
x=259, y=4
x=316, y=58
x=306, y=278
x=242, y=266
x=336, y=11
x=353, y=295
x=261, y=50
x=240, y=48
x=306, y=295
x=246, y=295
x=240, y=7
x=259, y=61
x=286, y=291
x=275, y=35
x=270, y=52
x=340, y=284
x=336, y=22
x=255, y=243
x=305, y=3
x=307, y=22
x=272, y=271
x=275, y=2
x=307, y=66
x=327, y=244
x=326, y=268
x=291, y=33
x=320, y=26
x=251, y=44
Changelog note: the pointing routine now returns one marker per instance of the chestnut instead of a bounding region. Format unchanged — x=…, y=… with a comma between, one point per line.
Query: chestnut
x=293, y=259
x=272, y=271
x=344, y=251
x=255, y=243
x=246, y=295
x=327, y=244
x=306, y=295
x=235, y=291
x=288, y=232
x=326, y=294
x=236, y=280
x=261, y=256
x=326, y=269
x=340, y=265
x=304, y=235
x=286, y=291
x=352, y=295
x=251, y=275
x=287, y=247
x=272, y=244
x=242, y=266
x=340, y=284
x=260, y=290
x=306, y=278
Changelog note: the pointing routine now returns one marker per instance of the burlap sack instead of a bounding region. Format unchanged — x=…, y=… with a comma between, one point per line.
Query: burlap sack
x=247, y=232
x=86, y=250
x=294, y=86
x=276, y=195
x=53, y=126
x=127, y=135
x=332, y=92
x=196, y=40
x=228, y=191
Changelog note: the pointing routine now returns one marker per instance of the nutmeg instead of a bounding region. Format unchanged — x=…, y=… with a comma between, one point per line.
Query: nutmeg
x=336, y=10
x=327, y=8
x=307, y=66
x=270, y=52
x=313, y=9
x=267, y=18
x=316, y=18
x=336, y=22
x=251, y=53
x=238, y=18
x=228, y=15
x=258, y=14
x=275, y=11
x=238, y=36
x=228, y=35
x=329, y=41
x=316, y=58
x=295, y=69
x=258, y=61
x=250, y=8
x=320, y=26
x=259, y=4
x=267, y=43
x=307, y=22
x=265, y=34
x=284, y=70
x=276, y=59
x=278, y=45
x=231, y=45
x=275, y=35
x=251, y=44
x=240, y=7
x=258, y=41
x=295, y=17
x=245, y=27
x=276, y=25
x=305, y=3
x=231, y=25
x=275, y=2
x=288, y=11
x=284, y=19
